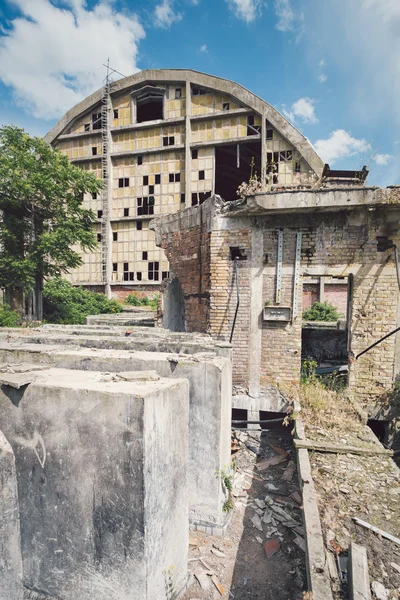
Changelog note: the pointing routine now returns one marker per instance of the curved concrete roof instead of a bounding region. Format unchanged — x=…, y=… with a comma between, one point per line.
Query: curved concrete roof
x=225, y=86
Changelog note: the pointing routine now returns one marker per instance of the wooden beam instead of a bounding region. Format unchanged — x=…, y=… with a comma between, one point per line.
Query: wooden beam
x=341, y=448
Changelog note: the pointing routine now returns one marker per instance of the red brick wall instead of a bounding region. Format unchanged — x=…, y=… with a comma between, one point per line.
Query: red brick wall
x=310, y=295
x=336, y=294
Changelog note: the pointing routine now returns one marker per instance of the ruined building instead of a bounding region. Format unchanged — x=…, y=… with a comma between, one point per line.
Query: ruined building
x=162, y=141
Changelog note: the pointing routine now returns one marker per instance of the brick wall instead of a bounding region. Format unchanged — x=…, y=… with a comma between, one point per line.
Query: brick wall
x=121, y=292
x=336, y=294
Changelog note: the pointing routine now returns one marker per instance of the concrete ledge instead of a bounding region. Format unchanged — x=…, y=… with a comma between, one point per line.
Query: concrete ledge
x=358, y=575
x=317, y=568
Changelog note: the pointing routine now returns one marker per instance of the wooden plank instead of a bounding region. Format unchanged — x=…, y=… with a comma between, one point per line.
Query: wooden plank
x=341, y=448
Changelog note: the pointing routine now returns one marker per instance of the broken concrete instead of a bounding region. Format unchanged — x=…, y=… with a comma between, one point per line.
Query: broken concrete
x=102, y=485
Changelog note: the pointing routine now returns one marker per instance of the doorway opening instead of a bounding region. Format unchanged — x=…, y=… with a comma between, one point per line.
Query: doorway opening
x=380, y=429
x=239, y=418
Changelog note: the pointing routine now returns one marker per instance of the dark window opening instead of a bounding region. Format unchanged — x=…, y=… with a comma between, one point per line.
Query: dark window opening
x=297, y=167
x=139, y=276
x=115, y=113
x=195, y=200
x=202, y=175
x=96, y=120
x=94, y=150
x=239, y=414
x=131, y=276
x=233, y=166
x=87, y=126
x=94, y=196
x=144, y=255
x=126, y=266
x=171, y=140
x=151, y=189
x=269, y=134
x=380, y=429
x=164, y=275
x=139, y=225
x=153, y=271
x=183, y=199
x=177, y=177
x=271, y=416
x=145, y=180
x=203, y=196
x=171, y=177
x=115, y=267
x=195, y=91
x=99, y=237
x=165, y=141
x=145, y=206
x=140, y=160
x=99, y=214
x=123, y=182
x=251, y=128
x=115, y=236
x=236, y=252
x=178, y=93
x=158, y=179
x=225, y=106
x=195, y=154
x=126, y=276
x=150, y=106
x=126, y=212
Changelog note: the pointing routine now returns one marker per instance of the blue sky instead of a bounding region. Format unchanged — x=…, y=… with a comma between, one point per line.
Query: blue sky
x=331, y=66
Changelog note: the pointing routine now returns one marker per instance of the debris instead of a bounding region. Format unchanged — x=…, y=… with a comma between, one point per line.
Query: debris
x=380, y=592
x=203, y=579
x=289, y=471
x=344, y=490
x=259, y=503
x=278, y=449
x=193, y=541
x=218, y=553
x=217, y=585
x=270, y=462
x=384, y=534
x=136, y=376
x=259, y=540
x=271, y=547
x=267, y=518
x=271, y=487
x=300, y=543
x=297, y=498
x=341, y=449
x=395, y=566
x=257, y=522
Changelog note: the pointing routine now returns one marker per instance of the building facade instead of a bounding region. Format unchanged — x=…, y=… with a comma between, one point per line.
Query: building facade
x=163, y=141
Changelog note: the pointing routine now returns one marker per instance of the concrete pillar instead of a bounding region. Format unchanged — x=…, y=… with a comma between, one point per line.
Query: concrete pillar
x=256, y=288
x=321, y=289
x=263, y=151
x=10, y=546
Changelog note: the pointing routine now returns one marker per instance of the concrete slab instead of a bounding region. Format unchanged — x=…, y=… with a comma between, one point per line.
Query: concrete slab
x=359, y=585
x=210, y=384
x=102, y=483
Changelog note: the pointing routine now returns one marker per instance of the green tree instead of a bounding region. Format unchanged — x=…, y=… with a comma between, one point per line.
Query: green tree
x=321, y=311
x=41, y=212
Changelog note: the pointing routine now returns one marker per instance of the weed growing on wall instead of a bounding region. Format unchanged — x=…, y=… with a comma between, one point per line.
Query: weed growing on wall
x=169, y=583
x=227, y=475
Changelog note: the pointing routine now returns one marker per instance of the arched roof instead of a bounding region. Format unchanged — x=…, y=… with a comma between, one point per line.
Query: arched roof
x=225, y=86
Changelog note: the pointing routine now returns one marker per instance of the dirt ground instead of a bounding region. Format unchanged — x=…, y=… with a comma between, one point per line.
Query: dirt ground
x=264, y=510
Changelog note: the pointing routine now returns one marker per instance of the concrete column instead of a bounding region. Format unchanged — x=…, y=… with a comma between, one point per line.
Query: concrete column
x=188, y=139
x=321, y=289
x=263, y=151
x=108, y=240
x=10, y=545
x=256, y=285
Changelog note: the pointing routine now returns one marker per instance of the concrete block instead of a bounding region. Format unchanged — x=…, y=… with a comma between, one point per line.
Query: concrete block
x=102, y=483
x=359, y=585
x=210, y=385
x=10, y=547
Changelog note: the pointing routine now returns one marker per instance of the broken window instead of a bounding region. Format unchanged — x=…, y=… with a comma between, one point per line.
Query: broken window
x=251, y=128
x=174, y=177
x=153, y=271
x=99, y=237
x=99, y=214
x=195, y=200
x=126, y=212
x=164, y=275
x=123, y=182
x=269, y=134
x=195, y=154
x=297, y=167
x=131, y=276
x=182, y=198
x=140, y=160
x=201, y=175
x=96, y=121
x=178, y=93
x=115, y=113
x=94, y=150
x=115, y=267
x=203, y=196
x=158, y=179
x=225, y=106
x=115, y=236
x=94, y=196
x=87, y=126
x=145, y=180
x=144, y=255
x=145, y=206
x=150, y=104
x=139, y=276
x=139, y=225
x=171, y=140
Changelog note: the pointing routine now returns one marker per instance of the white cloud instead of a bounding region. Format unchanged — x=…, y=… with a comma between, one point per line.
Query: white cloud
x=322, y=78
x=340, y=144
x=285, y=13
x=165, y=15
x=52, y=57
x=303, y=109
x=247, y=10
x=382, y=159
x=322, y=63
x=204, y=48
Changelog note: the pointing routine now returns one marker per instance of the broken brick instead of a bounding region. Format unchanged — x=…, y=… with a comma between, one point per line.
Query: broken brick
x=271, y=547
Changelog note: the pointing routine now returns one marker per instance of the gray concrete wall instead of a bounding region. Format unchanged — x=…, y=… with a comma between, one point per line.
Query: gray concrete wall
x=101, y=469
x=210, y=385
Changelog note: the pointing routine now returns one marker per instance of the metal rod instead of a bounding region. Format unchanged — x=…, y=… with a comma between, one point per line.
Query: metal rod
x=238, y=299
x=260, y=422
x=378, y=342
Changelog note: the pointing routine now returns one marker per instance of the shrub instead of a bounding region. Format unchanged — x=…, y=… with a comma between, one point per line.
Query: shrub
x=68, y=305
x=8, y=317
x=135, y=300
x=321, y=311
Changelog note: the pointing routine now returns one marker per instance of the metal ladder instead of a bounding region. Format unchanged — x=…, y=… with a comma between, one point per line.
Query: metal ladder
x=105, y=175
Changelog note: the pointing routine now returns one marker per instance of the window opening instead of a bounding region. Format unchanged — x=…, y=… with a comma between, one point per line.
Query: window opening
x=297, y=167
x=145, y=180
x=228, y=175
x=183, y=199
x=195, y=200
x=178, y=93
x=150, y=104
x=158, y=179
x=145, y=205
x=115, y=267
x=171, y=140
x=139, y=225
x=131, y=276
x=140, y=160
x=99, y=214
x=251, y=128
x=126, y=212
x=87, y=126
x=123, y=182
x=225, y=106
x=164, y=275
x=96, y=120
x=144, y=255
x=115, y=113
x=201, y=175
x=94, y=196
x=195, y=154
x=94, y=150
x=139, y=276
x=99, y=237
x=115, y=236
x=239, y=414
x=151, y=189
x=153, y=271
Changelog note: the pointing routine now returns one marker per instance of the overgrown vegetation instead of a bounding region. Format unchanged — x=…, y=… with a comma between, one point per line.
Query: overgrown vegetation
x=68, y=305
x=321, y=311
x=135, y=300
x=8, y=317
x=227, y=475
